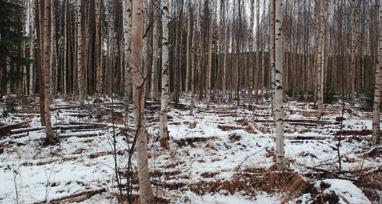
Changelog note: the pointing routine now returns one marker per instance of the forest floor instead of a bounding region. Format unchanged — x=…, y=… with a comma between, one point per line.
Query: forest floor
x=222, y=154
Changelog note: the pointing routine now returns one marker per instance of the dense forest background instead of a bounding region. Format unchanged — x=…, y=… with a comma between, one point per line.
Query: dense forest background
x=239, y=31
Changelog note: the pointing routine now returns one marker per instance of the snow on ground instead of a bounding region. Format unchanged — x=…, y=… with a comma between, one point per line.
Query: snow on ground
x=346, y=190
x=215, y=145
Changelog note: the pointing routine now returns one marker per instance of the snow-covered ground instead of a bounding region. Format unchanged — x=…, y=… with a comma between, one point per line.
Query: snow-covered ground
x=222, y=154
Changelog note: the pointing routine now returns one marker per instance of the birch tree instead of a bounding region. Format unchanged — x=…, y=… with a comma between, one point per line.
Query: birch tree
x=225, y=45
x=378, y=84
x=354, y=38
x=126, y=47
x=193, y=55
x=272, y=53
x=138, y=81
x=31, y=48
x=79, y=51
x=320, y=61
x=278, y=112
x=189, y=44
x=163, y=129
x=212, y=6
x=156, y=51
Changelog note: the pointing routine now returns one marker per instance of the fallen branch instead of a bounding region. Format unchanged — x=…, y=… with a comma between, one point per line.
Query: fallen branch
x=320, y=137
x=332, y=174
x=79, y=197
x=58, y=127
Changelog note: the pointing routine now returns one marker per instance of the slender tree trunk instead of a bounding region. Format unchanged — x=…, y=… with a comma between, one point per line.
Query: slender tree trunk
x=378, y=85
x=79, y=52
x=98, y=53
x=250, y=39
x=163, y=129
x=156, y=51
x=47, y=76
x=354, y=38
x=258, y=64
x=321, y=60
x=31, y=50
x=126, y=46
x=188, y=49
x=65, y=65
x=8, y=64
x=53, y=49
x=238, y=47
x=272, y=53
x=225, y=47
x=193, y=55
x=210, y=35
x=278, y=112
x=138, y=80
x=40, y=56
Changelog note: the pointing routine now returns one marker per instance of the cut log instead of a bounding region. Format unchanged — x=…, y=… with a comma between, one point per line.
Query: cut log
x=80, y=134
x=57, y=127
x=299, y=122
x=320, y=137
x=4, y=130
x=23, y=130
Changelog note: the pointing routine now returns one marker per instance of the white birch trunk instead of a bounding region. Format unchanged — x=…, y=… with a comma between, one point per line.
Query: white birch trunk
x=378, y=85
x=272, y=53
x=321, y=60
x=193, y=52
x=79, y=52
x=225, y=50
x=188, y=49
x=31, y=48
x=126, y=46
x=163, y=129
x=52, y=49
x=156, y=52
x=354, y=39
x=278, y=112
x=212, y=6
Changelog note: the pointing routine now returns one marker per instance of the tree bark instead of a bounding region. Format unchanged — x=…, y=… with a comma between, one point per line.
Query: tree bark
x=272, y=53
x=156, y=51
x=378, y=84
x=354, y=38
x=212, y=6
x=98, y=58
x=278, y=112
x=50, y=138
x=163, y=129
x=188, y=48
x=225, y=48
x=320, y=59
x=79, y=52
x=53, y=66
x=193, y=55
x=65, y=66
x=126, y=46
x=138, y=81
